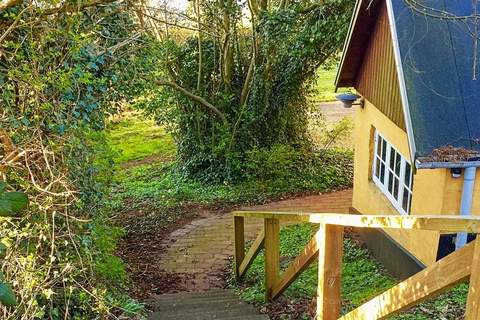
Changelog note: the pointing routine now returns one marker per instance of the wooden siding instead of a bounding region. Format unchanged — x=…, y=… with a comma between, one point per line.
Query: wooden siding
x=377, y=80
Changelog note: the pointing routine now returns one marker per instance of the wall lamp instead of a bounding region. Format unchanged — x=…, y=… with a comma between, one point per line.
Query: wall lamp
x=348, y=100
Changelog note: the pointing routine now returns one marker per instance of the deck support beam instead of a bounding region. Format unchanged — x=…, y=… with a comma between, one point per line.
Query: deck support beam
x=239, y=235
x=272, y=255
x=428, y=283
x=473, y=300
x=252, y=253
x=330, y=240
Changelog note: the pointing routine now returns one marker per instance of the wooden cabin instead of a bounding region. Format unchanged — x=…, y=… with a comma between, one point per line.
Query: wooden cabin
x=417, y=135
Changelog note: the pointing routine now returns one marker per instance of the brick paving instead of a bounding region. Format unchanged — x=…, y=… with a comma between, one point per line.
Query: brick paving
x=201, y=250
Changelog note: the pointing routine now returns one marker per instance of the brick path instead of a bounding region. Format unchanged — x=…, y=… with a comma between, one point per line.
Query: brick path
x=202, y=248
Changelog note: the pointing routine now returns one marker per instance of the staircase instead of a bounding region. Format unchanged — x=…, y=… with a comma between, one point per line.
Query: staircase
x=215, y=304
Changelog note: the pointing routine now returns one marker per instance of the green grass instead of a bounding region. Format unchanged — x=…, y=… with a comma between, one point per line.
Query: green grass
x=135, y=138
x=324, y=87
x=362, y=278
x=163, y=186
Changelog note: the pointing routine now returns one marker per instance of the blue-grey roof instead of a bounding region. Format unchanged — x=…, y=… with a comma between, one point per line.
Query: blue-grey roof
x=438, y=53
x=436, y=48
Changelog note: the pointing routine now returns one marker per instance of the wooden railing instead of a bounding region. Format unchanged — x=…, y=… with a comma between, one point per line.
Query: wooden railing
x=327, y=247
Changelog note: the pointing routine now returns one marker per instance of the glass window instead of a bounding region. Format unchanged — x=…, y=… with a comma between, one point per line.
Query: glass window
x=392, y=173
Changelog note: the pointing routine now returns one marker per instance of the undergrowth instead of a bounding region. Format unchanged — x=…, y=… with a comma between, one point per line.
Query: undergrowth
x=161, y=184
x=362, y=278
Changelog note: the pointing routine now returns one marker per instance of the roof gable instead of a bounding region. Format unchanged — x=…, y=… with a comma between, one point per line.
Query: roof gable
x=435, y=54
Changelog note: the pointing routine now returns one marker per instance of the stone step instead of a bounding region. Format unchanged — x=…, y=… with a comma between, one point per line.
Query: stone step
x=215, y=304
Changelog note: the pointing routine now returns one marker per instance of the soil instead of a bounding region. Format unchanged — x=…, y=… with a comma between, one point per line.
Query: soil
x=142, y=247
x=154, y=158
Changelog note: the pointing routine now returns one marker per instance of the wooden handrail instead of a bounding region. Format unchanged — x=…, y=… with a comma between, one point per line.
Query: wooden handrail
x=327, y=246
x=442, y=223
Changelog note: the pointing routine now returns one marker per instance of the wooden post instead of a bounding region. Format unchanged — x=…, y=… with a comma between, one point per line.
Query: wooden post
x=272, y=255
x=239, y=233
x=330, y=242
x=473, y=301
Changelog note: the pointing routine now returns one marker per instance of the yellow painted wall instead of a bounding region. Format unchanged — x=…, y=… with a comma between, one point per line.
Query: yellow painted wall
x=434, y=191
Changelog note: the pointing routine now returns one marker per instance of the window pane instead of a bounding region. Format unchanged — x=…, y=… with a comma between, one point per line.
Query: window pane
x=382, y=172
x=384, y=150
x=407, y=175
x=377, y=167
x=392, y=159
x=395, y=188
x=398, y=164
x=390, y=181
x=406, y=195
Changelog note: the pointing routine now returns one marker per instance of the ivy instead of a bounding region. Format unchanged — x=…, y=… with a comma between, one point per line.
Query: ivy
x=290, y=44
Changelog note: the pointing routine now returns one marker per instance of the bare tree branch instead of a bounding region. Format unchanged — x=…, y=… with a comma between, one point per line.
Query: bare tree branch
x=67, y=8
x=177, y=25
x=194, y=97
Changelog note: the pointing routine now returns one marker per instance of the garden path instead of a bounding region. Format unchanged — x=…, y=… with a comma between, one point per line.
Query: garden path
x=201, y=250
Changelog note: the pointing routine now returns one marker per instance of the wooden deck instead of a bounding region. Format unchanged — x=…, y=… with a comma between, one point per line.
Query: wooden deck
x=327, y=248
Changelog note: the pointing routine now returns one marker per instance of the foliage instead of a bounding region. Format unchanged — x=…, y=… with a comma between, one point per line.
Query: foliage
x=334, y=135
x=362, y=278
x=59, y=64
x=155, y=181
x=162, y=186
x=11, y=203
x=218, y=110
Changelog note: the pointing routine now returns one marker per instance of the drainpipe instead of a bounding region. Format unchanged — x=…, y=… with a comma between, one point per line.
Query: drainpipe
x=466, y=204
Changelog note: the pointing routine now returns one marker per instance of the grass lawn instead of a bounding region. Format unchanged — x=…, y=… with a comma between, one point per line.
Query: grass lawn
x=135, y=138
x=324, y=88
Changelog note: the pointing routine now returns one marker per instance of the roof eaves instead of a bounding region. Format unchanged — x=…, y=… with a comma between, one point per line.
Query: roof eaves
x=346, y=44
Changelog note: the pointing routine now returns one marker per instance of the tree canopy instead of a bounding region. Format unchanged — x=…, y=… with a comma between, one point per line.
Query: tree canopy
x=240, y=78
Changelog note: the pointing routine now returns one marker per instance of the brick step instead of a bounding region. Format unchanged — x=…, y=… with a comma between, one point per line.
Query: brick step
x=159, y=316
x=215, y=304
x=187, y=296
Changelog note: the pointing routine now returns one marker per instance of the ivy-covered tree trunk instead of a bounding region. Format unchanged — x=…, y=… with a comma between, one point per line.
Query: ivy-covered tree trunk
x=256, y=65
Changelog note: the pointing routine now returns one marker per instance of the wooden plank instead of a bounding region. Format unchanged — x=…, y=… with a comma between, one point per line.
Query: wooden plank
x=428, y=283
x=239, y=234
x=443, y=223
x=473, y=301
x=251, y=254
x=329, y=272
x=287, y=216
x=272, y=255
x=301, y=262
x=431, y=222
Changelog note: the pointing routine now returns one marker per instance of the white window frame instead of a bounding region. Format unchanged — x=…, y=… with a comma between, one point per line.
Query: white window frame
x=383, y=185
